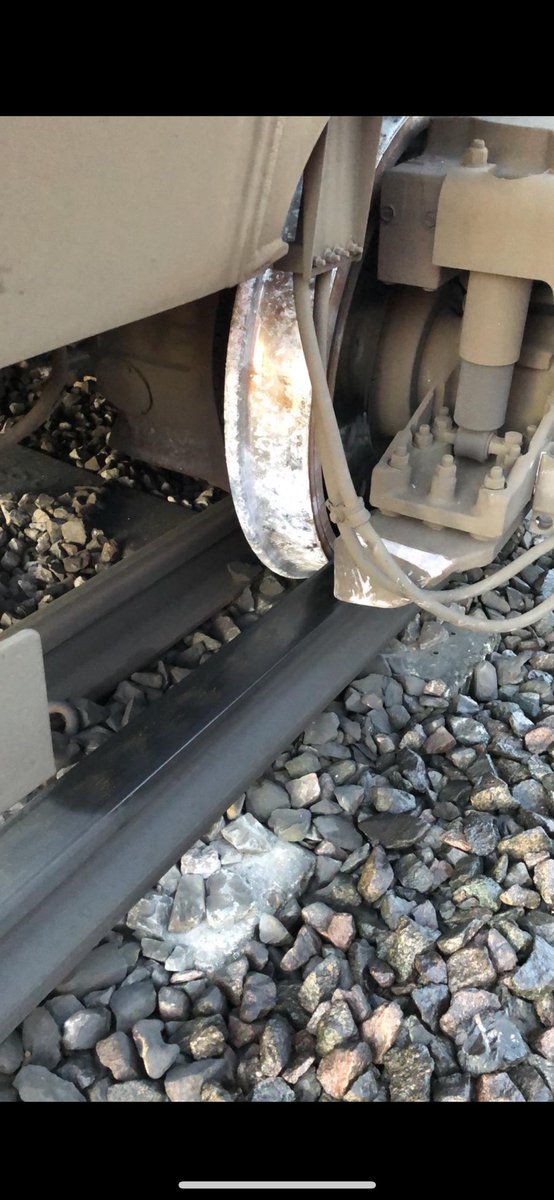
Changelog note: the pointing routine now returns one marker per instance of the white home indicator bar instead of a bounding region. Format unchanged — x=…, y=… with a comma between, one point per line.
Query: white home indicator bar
x=274, y=1185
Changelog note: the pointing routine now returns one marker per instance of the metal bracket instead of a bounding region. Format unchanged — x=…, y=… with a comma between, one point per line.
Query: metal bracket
x=26, y=755
x=338, y=182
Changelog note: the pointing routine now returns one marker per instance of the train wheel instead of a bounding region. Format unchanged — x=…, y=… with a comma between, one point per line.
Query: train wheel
x=273, y=468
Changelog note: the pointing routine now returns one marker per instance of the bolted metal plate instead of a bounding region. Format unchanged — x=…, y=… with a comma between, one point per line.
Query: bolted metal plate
x=26, y=756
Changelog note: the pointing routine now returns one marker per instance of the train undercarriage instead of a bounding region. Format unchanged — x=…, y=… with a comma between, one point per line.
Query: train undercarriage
x=414, y=272
x=347, y=324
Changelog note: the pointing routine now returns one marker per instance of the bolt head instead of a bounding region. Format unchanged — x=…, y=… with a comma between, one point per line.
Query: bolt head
x=476, y=154
x=387, y=214
x=495, y=480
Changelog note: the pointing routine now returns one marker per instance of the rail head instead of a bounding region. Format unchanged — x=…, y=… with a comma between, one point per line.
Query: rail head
x=73, y=862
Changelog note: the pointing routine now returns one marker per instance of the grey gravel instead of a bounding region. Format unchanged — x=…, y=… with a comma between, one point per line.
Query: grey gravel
x=247, y=835
x=452, y=1089
x=412, y=957
x=276, y=1045
x=62, y=1007
x=139, y=1091
x=183, y=1084
x=173, y=1004
x=189, y=904
x=376, y=876
x=274, y=1091
x=304, y=947
x=293, y=825
x=231, y=978
x=258, y=996
x=150, y=916
x=11, y=1054
x=48, y=545
x=272, y=931
x=402, y=947
x=118, y=1054
x=41, y=1039
x=491, y=1043
x=409, y=1074
x=36, y=1083
x=84, y=1029
x=335, y=1028
x=340, y=831
x=262, y=799
x=393, y=832
x=229, y=898
x=536, y=977
x=323, y=729
x=199, y=860
x=156, y=1055
x=133, y=1003
x=319, y=983
x=304, y=791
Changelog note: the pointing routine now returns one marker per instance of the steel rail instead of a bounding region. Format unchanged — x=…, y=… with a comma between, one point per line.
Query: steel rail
x=129, y=614
x=74, y=860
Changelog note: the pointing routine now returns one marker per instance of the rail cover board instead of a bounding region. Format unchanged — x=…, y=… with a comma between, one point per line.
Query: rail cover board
x=26, y=755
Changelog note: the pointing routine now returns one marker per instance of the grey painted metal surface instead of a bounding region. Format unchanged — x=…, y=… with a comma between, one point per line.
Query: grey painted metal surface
x=108, y=219
x=26, y=758
x=73, y=863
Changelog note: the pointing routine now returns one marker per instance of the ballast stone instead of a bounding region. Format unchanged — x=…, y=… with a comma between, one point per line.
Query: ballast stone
x=11, y=1053
x=118, y=1054
x=183, y=1084
x=38, y=1084
x=443, y=653
x=247, y=835
x=132, y=1003
x=151, y=915
x=189, y=904
x=322, y=729
x=274, y=1091
x=41, y=1039
x=84, y=1029
x=136, y=1091
x=156, y=1054
x=264, y=798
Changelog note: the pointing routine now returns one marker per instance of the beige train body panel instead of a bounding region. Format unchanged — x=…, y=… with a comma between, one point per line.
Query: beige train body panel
x=106, y=220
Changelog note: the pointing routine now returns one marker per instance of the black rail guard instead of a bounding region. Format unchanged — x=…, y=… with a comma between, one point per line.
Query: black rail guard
x=74, y=860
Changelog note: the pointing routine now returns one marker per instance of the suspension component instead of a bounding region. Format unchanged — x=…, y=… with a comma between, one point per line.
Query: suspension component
x=492, y=410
